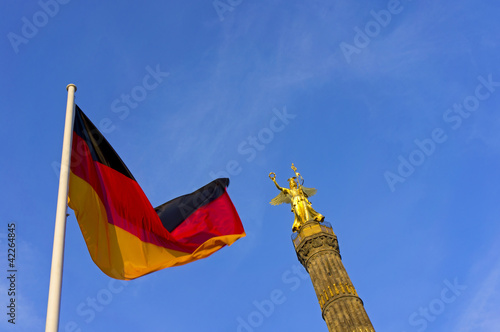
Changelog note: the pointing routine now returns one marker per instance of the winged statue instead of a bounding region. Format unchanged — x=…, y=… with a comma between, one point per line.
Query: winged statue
x=297, y=195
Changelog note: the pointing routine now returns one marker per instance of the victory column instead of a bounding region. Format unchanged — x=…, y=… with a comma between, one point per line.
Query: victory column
x=317, y=249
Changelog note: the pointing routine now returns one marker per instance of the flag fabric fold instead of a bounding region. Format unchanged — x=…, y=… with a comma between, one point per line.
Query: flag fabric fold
x=127, y=237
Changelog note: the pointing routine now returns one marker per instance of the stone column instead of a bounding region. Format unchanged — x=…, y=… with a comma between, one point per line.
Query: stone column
x=318, y=251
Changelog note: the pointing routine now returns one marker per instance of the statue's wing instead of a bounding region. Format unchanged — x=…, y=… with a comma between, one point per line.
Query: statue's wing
x=309, y=191
x=280, y=199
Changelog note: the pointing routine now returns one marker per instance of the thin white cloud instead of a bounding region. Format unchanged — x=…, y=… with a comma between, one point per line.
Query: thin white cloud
x=482, y=312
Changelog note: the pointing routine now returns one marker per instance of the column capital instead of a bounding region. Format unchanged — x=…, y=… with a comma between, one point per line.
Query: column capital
x=312, y=238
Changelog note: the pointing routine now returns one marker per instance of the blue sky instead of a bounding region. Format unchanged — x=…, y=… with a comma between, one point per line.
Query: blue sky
x=388, y=108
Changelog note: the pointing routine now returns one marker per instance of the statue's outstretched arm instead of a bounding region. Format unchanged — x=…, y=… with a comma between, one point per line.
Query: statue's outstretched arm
x=272, y=176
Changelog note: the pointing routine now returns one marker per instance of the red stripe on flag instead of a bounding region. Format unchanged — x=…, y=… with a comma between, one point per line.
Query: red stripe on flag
x=217, y=218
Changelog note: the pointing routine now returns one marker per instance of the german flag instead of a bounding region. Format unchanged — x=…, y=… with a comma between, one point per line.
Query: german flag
x=127, y=237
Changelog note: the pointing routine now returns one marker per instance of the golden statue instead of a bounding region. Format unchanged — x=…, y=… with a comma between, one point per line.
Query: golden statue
x=297, y=196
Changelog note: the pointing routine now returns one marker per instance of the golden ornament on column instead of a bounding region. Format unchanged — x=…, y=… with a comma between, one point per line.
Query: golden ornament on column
x=296, y=196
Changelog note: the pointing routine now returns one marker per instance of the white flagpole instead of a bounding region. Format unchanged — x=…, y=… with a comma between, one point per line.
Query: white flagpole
x=54, y=303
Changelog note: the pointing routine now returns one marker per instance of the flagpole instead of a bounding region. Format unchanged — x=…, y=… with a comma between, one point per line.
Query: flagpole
x=54, y=302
